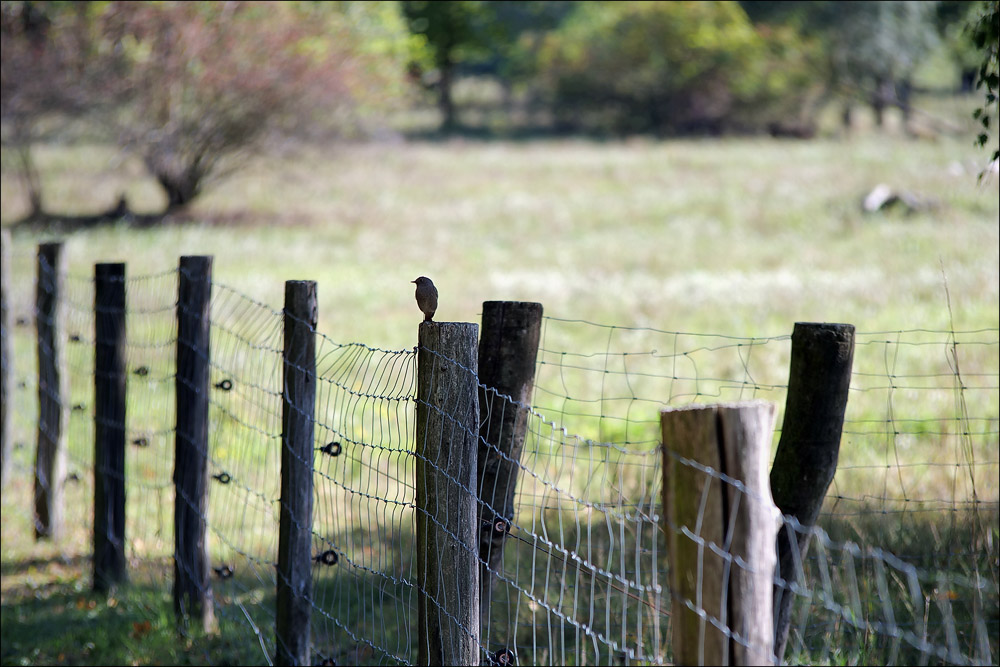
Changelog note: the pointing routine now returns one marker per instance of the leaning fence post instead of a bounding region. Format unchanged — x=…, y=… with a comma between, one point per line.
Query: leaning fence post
x=508, y=348
x=109, y=425
x=447, y=434
x=721, y=609
x=6, y=360
x=819, y=378
x=294, y=587
x=53, y=395
x=192, y=587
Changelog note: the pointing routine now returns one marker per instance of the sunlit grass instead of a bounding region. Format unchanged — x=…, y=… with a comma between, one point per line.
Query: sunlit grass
x=736, y=238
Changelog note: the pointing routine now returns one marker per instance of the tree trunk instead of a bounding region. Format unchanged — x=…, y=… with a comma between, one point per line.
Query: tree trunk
x=180, y=191
x=445, y=102
x=881, y=98
x=28, y=171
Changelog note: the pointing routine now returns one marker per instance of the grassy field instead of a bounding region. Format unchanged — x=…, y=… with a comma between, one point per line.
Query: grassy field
x=742, y=237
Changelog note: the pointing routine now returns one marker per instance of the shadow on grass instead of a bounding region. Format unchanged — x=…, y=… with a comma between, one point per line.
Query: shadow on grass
x=554, y=602
x=920, y=588
x=13, y=568
x=51, y=616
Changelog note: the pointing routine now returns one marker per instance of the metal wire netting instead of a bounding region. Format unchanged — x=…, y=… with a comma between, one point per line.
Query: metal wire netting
x=903, y=565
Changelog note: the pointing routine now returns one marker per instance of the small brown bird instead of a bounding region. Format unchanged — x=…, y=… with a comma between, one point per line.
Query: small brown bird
x=427, y=297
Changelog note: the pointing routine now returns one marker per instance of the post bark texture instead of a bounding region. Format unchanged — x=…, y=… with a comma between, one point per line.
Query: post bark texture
x=109, y=425
x=294, y=587
x=447, y=435
x=819, y=379
x=721, y=525
x=508, y=349
x=192, y=587
x=6, y=360
x=53, y=395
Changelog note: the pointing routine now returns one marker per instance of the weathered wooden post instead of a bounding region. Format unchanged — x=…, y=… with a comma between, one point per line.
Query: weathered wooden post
x=508, y=348
x=192, y=586
x=447, y=434
x=294, y=587
x=705, y=516
x=109, y=425
x=6, y=359
x=819, y=378
x=53, y=395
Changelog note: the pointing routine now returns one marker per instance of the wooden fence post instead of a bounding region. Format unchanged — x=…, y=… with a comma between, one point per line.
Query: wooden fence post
x=731, y=595
x=819, y=378
x=294, y=587
x=508, y=348
x=6, y=360
x=109, y=425
x=53, y=395
x=192, y=586
x=447, y=434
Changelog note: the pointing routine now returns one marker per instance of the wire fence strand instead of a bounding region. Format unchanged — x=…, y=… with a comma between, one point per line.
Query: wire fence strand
x=902, y=566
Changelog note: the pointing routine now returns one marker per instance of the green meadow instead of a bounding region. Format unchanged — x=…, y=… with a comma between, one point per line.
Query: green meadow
x=673, y=247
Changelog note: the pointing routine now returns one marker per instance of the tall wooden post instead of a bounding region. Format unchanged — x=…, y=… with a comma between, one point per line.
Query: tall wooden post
x=6, y=359
x=109, y=425
x=447, y=432
x=294, y=587
x=192, y=586
x=819, y=378
x=53, y=395
x=508, y=348
x=705, y=514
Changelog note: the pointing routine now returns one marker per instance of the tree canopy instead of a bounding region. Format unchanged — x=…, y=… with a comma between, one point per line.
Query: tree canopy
x=192, y=87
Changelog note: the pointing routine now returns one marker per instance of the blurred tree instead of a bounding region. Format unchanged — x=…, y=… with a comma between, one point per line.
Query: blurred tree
x=451, y=33
x=498, y=38
x=39, y=79
x=952, y=20
x=878, y=45
x=205, y=82
x=194, y=87
x=672, y=67
x=872, y=47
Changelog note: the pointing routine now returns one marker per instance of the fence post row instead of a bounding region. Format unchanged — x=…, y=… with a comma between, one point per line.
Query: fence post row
x=192, y=587
x=819, y=378
x=53, y=395
x=704, y=515
x=109, y=425
x=447, y=434
x=294, y=586
x=450, y=459
x=6, y=359
x=508, y=349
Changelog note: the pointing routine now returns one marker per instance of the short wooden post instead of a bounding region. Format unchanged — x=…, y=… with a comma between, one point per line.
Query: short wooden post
x=53, y=395
x=294, y=588
x=508, y=348
x=819, y=378
x=6, y=360
x=704, y=515
x=447, y=431
x=109, y=425
x=192, y=587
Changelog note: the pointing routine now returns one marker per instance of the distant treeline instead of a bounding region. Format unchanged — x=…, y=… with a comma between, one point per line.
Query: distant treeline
x=192, y=87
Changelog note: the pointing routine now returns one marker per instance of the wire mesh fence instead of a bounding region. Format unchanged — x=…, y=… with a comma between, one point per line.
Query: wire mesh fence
x=903, y=565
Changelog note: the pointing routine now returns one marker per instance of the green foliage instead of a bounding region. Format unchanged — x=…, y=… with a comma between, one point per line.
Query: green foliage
x=986, y=37
x=880, y=40
x=498, y=37
x=870, y=50
x=192, y=87
x=449, y=28
x=674, y=67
